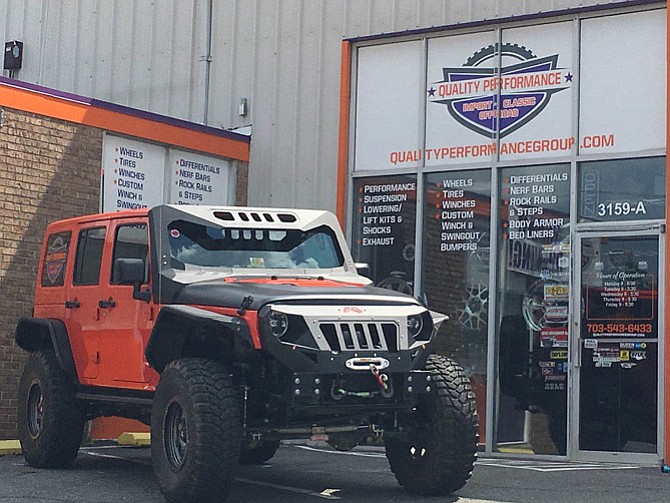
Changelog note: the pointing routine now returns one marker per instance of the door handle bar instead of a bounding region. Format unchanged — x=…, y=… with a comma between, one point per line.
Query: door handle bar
x=106, y=303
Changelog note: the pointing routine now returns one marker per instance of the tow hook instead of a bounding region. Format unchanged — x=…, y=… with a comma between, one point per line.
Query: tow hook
x=382, y=379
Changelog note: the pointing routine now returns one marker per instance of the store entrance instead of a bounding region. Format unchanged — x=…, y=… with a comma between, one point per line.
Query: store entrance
x=618, y=321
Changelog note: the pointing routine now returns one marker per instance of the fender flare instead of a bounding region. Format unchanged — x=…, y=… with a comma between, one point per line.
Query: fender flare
x=34, y=333
x=177, y=326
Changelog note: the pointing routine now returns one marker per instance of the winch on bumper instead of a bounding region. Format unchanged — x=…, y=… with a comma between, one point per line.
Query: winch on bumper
x=351, y=356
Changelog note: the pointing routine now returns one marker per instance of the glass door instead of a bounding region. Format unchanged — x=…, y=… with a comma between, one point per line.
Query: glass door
x=618, y=321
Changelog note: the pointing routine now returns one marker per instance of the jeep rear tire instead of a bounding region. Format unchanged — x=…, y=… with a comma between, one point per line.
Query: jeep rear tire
x=195, y=431
x=50, y=418
x=257, y=453
x=436, y=452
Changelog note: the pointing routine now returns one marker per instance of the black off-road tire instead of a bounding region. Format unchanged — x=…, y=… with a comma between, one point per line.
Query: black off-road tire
x=195, y=432
x=436, y=454
x=257, y=453
x=50, y=418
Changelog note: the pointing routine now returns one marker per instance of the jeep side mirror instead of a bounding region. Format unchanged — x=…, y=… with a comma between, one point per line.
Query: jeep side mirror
x=130, y=271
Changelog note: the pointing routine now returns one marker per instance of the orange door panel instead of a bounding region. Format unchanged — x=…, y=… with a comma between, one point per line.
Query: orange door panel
x=125, y=329
x=82, y=314
x=125, y=322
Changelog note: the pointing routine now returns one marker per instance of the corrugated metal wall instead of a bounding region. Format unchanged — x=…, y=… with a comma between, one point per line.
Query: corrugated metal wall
x=131, y=52
x=282, y=55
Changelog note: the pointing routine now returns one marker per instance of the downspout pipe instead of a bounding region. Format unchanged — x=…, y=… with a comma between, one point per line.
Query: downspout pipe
x=207, y=59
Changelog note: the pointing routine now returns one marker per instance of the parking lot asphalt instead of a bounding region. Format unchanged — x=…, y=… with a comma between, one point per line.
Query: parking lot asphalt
x=304, y=473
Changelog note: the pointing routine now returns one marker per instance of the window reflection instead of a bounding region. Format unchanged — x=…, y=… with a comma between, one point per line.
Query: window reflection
x=533, y=295
x=621, y=190
x=456, y=269
x=384, y=227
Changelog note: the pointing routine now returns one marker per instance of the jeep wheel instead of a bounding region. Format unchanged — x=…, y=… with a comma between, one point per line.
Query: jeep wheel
x=195, y=431
x=50, y=418
x=258, y=452
x=436, y=453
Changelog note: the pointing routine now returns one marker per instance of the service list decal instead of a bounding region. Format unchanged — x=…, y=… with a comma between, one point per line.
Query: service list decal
x=129, y=178
x=457, y=210
x=133, y=173
x=381, y=210
x=198, y=179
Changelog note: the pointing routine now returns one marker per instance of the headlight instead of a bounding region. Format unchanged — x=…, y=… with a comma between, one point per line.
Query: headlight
x=414, y=324
x=278, y=323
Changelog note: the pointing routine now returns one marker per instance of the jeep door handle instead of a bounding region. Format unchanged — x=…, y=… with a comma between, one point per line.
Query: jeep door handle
x=106, y=303
x=70, y=304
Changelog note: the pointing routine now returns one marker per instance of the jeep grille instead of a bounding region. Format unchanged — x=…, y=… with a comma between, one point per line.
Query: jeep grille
x=353, y=336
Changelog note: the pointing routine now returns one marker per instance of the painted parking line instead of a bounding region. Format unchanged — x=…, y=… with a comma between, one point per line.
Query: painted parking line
x=114, y=446
x=538, y=466
x=554, y=466
x=325, y=494
x=345, y=453
x=111, y=456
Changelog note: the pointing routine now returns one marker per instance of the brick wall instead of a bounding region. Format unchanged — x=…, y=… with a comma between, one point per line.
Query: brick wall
x=49, y=170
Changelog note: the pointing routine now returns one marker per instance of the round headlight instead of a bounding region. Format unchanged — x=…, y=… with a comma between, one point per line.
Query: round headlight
x=414, y=324
x=278, y=323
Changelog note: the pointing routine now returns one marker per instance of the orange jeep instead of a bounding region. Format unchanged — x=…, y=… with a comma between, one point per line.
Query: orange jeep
x=228, y=329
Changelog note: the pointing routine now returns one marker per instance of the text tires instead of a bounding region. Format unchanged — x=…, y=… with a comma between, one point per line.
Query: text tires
x=436, y=452
x=50, y=418
x=195, y=431
x=257, y=453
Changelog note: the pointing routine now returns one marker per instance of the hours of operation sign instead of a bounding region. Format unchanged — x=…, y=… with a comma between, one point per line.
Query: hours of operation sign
x=620, y=288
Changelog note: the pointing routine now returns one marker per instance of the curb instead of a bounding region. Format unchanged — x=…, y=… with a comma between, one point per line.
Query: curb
x=136, y=439
x=10, y=447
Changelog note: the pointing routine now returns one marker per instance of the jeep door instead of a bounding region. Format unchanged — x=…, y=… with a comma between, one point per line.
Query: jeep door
x=125, y=322
x=82, y=314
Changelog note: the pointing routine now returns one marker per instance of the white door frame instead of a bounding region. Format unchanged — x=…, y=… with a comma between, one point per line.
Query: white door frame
x=613, y=230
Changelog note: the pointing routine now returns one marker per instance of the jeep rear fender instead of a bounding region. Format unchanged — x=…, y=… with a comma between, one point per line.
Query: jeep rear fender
x=185, y=331
x=38, y=333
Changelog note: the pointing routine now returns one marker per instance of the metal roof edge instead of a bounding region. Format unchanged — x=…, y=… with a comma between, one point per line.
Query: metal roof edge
x=135, y=112
x=508, y=19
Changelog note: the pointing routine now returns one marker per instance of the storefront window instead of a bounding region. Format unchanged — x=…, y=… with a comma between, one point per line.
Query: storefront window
x=456, y=268
x=621, y=190
x=533, y=294
x=531, y=107
x=384, y=228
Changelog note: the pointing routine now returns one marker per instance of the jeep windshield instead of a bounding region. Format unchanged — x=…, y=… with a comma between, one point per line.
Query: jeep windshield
x=195, y=245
